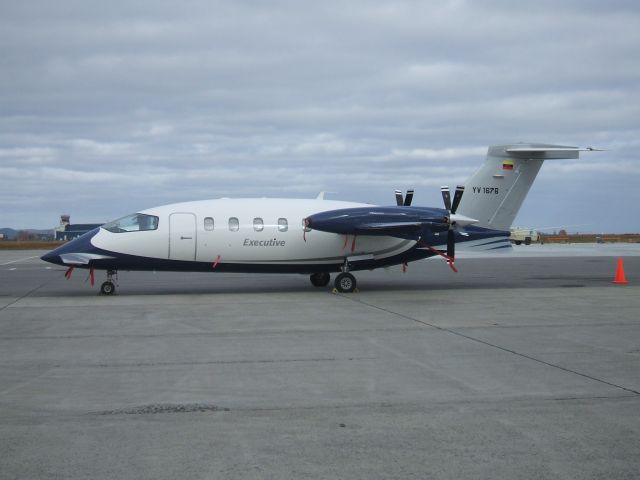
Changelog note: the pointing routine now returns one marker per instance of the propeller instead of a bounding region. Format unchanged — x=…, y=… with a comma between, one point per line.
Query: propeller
x=452, y=218
x=406, y=201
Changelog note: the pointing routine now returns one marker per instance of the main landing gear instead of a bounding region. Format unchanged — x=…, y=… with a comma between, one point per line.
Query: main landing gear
x=109, y=287
x=320, y=279
x=344, y=282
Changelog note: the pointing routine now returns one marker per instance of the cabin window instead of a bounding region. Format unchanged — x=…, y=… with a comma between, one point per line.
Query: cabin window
x=234, y=224
x=283, y=225
x=208, y=223
x=258, y=224
x=138, y=222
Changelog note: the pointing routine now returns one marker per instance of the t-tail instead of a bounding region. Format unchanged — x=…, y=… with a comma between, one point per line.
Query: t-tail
x=494, y=194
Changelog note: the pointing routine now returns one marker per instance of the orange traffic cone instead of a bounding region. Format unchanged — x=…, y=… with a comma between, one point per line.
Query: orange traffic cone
x=620, y=278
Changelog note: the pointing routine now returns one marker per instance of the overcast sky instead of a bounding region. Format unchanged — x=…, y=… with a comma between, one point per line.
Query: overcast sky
x=107, y=108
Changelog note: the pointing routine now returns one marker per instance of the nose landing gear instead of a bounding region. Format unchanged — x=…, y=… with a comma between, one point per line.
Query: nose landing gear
x=109, y=287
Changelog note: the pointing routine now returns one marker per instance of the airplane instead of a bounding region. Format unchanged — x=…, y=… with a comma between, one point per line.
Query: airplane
x=317, y=237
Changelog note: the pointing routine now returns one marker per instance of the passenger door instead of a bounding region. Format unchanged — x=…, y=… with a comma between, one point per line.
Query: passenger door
x=182, y=236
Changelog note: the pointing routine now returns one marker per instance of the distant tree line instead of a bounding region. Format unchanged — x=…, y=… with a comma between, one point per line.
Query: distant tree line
x=25, y=235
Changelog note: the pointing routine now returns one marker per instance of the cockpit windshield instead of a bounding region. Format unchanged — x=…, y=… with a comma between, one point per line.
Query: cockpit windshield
x=137, y=222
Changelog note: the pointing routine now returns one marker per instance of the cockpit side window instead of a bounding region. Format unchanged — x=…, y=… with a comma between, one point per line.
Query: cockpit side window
x=138, y=222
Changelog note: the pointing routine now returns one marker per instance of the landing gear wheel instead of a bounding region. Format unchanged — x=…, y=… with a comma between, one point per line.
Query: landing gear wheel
x=345, y=283
x=107, y=288
x=320, y=279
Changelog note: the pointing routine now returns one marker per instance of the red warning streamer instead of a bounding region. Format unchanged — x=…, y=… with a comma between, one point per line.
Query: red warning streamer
x=68, y=273
x=449, y=259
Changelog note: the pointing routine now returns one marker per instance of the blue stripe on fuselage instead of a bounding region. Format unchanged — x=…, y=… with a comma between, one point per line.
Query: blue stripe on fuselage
x=120, y=261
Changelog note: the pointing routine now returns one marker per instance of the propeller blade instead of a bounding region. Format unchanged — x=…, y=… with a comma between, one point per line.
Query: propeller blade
x=399, y=200
x=451, y=244
x=446, y=196
x=457, y=197
x=408, y=198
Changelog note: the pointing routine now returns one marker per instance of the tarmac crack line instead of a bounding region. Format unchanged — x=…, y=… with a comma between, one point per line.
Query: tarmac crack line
x=27, y=294
x=493, y=345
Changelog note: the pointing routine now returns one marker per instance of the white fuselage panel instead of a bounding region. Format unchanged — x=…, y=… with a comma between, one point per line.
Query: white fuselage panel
x=248, y=231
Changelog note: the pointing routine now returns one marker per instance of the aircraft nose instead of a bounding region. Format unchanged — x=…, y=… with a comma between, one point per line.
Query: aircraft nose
x=52, y=257
x=78, y=245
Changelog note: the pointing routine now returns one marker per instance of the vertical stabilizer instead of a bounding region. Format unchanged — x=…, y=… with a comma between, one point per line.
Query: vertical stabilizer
x=494, y=194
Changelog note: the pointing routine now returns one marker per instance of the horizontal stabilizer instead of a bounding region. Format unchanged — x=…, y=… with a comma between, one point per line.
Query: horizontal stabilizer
x=546, y=152
x=554, y=149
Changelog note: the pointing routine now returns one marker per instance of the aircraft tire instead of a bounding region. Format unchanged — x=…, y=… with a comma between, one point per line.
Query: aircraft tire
x=107, y=288
x=320, y=279
x=345, y=283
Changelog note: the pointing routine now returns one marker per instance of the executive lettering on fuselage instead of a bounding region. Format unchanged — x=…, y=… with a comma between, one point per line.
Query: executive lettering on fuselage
x=263, y=243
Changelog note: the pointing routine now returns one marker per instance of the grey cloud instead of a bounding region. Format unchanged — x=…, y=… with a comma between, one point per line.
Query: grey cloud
x=125, y=105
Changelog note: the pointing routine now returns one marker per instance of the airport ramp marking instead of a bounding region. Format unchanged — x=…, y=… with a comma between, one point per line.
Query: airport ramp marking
x=18, y=260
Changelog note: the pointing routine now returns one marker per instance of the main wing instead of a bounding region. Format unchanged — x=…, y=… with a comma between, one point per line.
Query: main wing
x=401, y=222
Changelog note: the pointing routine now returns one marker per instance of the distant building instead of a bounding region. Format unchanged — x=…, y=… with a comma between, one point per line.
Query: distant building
x=68, y=231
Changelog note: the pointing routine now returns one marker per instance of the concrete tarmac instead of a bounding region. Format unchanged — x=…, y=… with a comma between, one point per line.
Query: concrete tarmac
x=521, y=366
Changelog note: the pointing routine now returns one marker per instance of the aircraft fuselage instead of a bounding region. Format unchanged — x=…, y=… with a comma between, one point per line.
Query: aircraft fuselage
x=242, y=235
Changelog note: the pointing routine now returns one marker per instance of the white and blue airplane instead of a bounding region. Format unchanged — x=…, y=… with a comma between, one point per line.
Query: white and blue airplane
x=316, y=237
